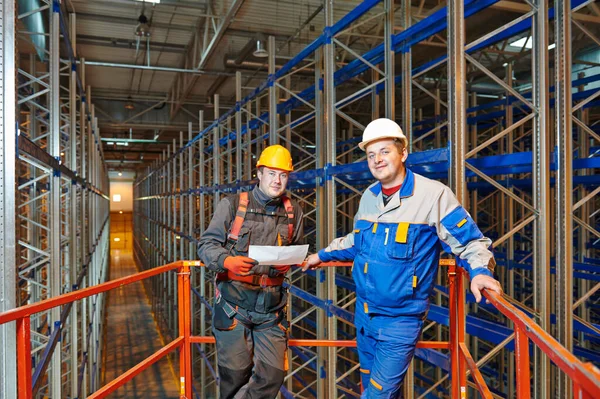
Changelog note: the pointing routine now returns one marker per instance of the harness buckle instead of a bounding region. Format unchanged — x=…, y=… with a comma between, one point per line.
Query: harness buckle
x=263, y=280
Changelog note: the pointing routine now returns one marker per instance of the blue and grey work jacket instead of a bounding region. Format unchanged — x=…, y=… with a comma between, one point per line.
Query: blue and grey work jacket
x=396, y=247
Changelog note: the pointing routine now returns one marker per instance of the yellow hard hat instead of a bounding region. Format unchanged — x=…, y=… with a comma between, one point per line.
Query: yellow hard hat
x=276, y=157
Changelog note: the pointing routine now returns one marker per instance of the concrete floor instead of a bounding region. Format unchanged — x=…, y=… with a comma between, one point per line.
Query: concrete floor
x=132, y=336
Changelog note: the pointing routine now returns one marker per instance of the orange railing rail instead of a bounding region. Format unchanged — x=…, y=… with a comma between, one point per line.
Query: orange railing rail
x=585, y=378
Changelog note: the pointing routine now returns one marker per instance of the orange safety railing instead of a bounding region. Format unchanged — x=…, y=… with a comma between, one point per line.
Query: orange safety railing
x=585, y=378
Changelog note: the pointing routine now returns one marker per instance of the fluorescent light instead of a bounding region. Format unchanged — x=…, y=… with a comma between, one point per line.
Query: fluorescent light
x=117, y=239
x=523, y=41
x=505, y=64
x=150, y=1
x=120, y=174
x=117, y=198
x=120, y=211
x=122, y=143
x=110, y=143
x=528, y=43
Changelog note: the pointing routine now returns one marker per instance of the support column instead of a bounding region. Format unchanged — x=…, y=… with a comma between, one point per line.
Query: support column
x=273, y=117
x=407, y=79
x=321, y=221
x=564, y=186
x=8, y=349
x=457, y=98
x=55, y=274
x=541, y=194
x=390, y=84
x=74, y=263
x=330, y=133
x=239, y=169
x=215, y=153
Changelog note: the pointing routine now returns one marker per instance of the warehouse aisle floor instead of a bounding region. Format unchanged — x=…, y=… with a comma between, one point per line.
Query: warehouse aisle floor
x=132, y=335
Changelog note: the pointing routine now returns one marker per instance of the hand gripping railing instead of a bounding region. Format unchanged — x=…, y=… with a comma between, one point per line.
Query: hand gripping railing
x=585, y=378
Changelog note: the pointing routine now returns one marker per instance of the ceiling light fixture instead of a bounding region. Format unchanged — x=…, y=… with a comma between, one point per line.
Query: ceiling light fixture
x=129, y=104
x=143, y=28
x=260, y=51
x=150, y=1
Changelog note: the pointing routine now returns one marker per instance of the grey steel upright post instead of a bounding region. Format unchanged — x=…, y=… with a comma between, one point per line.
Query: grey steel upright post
x=202, y=172
x=55, y=275
x=331, y=204
x=321, y=221
x=215, y=153
x=541, y=194
x=273, y=117
x=239, y=169
x=564, y=185
x=456, y=98
x=8, y=349
x=74, y=263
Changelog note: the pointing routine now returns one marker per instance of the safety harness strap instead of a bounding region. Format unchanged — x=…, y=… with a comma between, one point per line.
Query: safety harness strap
x=248, y=324
x=289, y=209
x=240, y=215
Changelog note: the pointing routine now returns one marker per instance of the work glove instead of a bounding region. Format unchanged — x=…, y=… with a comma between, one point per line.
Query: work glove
x=282, y=269
x=239, y=265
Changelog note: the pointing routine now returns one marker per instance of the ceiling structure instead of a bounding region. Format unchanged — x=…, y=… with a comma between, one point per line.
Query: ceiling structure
x=148, y=86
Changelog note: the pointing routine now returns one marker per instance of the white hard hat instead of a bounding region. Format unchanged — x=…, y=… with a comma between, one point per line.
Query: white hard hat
x=380, y=129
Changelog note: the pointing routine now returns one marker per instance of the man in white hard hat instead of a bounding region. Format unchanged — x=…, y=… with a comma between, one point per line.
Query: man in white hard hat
x=402, y=222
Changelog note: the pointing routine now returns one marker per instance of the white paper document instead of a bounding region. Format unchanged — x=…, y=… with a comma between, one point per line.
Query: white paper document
x=276, y=256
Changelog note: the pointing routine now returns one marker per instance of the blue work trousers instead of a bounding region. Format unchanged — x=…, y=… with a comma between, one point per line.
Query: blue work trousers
x=386, y=345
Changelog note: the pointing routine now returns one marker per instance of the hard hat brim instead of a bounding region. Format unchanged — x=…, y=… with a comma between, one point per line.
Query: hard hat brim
x=363, y=144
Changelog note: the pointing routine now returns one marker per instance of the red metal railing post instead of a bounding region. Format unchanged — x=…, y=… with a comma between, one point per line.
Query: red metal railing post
x=462, y=327
x=457, y=331
x=181, y=319
x=187, y=332
x=24, y=357
x=454, y=347
x=522, y=366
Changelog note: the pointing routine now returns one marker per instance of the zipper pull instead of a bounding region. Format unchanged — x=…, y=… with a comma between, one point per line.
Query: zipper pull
x=387, y=233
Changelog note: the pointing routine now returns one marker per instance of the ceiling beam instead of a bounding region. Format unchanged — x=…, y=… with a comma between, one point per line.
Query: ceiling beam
x=127, y=43
x=184, y=84
x=511, y=6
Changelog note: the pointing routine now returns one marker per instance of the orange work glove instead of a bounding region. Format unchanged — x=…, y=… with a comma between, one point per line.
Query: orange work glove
x=282, y=269
x=240, y=265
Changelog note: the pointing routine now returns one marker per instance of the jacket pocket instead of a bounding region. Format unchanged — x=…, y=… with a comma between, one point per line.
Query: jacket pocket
x=401, y=250
x=223, y=317
x=243, y=241
x=402, y=241
x=361, y=228
x=461, y=226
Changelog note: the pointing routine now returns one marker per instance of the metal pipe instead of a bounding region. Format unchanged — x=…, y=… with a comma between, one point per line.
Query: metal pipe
x=157, y=68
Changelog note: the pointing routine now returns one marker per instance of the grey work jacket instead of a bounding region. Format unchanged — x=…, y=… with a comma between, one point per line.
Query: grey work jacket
x=265, y=220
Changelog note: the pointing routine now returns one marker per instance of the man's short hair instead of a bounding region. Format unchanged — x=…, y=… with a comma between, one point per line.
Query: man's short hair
x=399, y=145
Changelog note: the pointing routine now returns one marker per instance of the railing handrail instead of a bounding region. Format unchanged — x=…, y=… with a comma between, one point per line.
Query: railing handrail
x=585, y=376
x=46, y=304
x=564, y=360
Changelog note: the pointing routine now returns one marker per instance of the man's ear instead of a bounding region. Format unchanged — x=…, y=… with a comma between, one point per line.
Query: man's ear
x=404, y=154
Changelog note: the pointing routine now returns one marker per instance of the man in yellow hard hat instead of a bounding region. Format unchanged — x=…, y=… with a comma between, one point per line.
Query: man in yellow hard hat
x=403, y=221
x=249, y=318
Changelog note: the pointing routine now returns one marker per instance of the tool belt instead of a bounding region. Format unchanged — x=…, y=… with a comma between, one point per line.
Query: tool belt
x=261, y=280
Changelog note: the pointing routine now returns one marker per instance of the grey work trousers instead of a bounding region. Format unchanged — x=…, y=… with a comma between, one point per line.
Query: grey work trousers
x=251, y=357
